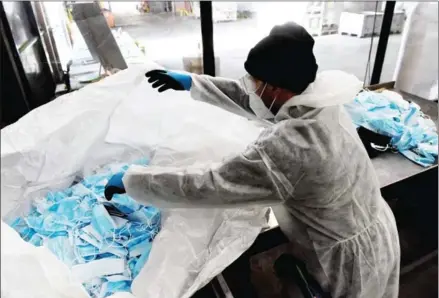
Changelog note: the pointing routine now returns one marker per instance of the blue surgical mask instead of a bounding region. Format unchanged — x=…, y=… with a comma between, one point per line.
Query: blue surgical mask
x=93, y=287
x=138, y=249
x=120, y=222
x=117, y=277
x=75, y=226
x=20, y=225
x=109, y=288
x=131, y=265
x=115, y=249
x=102, y=221
x=36, y=240
x=133, y=230
x=146, y=215
x=68, y=207
x=92, y=232
x=50, y=225
x=424, y=161
x=102, y=245
x=62, y=247
x=141, y=263
x=86, y=253
x=88, y=236
x=136, y=240
x=125, y=203
x=98, y=268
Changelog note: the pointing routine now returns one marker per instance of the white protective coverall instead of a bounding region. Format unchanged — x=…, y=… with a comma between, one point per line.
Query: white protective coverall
x=312, y=164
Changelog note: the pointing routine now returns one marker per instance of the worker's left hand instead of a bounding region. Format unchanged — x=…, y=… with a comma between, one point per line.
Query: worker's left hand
x=164, y=80
x=114, y=186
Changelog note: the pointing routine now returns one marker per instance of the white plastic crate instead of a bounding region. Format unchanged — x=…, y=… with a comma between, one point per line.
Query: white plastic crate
x=360, y=24
x=397, y=22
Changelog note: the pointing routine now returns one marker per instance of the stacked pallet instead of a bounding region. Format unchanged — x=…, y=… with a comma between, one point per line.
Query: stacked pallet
x=368, y=23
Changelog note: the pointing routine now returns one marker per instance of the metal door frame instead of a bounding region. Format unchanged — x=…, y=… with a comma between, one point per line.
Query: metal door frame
x=32, y=100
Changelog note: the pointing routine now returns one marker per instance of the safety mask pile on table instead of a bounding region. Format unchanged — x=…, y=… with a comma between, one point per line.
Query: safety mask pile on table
x=104, y=252
x=256, y=102
x=411, y=132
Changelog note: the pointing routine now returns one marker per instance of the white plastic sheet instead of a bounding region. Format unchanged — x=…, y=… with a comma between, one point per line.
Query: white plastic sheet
x=119, y=119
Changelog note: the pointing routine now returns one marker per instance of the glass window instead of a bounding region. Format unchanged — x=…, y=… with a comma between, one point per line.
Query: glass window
x=343, y=32
x=58, y=20
x=167, y=32
x=18, y=21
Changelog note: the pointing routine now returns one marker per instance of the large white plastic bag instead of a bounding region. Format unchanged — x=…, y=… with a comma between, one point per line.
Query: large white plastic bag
x=174, y=120
x=49, y=145
x=44, y=151
x=32, y=272
x=197, y=244
x=47, y=148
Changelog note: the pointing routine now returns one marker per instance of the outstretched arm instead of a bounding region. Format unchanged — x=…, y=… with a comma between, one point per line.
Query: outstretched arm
x=241, y=180
x=224, y=93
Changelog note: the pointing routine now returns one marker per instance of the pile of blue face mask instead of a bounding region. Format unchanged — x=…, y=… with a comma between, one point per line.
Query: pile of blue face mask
x=412, y=134
x=105, y=252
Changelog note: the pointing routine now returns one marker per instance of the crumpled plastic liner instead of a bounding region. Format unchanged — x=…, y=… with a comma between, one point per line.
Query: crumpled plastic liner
x=387, y=113
x=72, y=224
x=121, y=118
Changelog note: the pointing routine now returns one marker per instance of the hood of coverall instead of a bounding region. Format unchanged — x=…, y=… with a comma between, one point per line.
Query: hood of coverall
x=331, y=87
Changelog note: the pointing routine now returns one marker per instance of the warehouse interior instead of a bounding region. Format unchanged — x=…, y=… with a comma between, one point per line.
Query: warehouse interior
x=75, y=103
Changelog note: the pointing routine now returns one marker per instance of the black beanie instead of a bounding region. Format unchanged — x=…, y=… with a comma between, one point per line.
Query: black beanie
x=284, y=58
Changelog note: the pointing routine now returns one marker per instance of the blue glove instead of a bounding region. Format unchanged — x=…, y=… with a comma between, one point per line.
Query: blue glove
x=114, y=186
x=164, y=80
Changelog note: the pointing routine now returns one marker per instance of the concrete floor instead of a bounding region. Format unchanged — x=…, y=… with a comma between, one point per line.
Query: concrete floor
x=167, y=39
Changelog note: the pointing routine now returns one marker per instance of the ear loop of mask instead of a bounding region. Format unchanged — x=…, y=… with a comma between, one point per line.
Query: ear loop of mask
x=263, y=89
x=272, y=103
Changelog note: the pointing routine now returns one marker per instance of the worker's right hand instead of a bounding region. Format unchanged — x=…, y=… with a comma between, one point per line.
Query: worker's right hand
x=164, y=80
x=114, y=186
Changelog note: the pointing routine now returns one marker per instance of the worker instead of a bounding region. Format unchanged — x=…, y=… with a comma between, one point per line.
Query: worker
x=309, y=164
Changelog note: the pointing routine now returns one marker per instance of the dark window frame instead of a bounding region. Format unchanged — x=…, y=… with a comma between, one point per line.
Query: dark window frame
x=207, y=37
x=382, y=42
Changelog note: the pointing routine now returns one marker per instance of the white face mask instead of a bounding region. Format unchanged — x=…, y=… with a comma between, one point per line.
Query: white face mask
x=259, y=108
x=255, y=101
